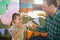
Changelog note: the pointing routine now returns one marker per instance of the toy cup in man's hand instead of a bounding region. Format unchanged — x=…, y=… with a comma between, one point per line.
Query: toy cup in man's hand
x=33, y=26
x=28, y=23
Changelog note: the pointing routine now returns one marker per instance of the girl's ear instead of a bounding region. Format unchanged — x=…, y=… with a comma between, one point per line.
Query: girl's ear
x=13, y=20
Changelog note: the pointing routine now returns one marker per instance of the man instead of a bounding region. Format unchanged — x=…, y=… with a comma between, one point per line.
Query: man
x=52, y=24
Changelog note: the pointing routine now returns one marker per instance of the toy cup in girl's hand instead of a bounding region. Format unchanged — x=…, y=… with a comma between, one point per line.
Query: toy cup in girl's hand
x=23, y=26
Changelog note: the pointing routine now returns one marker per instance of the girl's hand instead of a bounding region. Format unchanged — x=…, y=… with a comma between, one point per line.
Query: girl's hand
x=23, y=26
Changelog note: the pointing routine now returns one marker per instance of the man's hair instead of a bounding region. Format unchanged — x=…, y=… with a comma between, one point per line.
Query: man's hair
x=54, y=2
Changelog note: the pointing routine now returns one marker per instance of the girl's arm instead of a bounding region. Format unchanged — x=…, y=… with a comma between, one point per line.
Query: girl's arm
x=25, y=35
x=16, y=34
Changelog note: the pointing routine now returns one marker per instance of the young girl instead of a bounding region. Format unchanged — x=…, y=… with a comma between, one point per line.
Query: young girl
x=17, y=28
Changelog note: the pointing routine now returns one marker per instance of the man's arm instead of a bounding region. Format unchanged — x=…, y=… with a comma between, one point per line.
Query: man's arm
x=59, y=29
x=41, y=29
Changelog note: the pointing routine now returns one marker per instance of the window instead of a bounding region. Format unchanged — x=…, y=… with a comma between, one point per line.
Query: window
x=38, y=1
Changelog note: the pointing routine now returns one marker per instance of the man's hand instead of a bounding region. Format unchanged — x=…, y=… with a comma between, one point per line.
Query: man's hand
x=33, y=26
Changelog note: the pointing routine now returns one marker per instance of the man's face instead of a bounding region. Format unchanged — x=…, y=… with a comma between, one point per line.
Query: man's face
x=46, y=8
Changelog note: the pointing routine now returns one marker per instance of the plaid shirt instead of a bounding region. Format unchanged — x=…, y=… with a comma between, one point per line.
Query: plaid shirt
x=52, y=27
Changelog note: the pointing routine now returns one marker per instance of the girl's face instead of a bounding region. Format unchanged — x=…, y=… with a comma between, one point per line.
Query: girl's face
x=18, y=20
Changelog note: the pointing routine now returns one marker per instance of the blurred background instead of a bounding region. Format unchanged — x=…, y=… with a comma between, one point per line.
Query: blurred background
x=31, y=10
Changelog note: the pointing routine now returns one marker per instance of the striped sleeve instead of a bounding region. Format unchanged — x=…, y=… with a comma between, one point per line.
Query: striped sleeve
x=42, y=29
